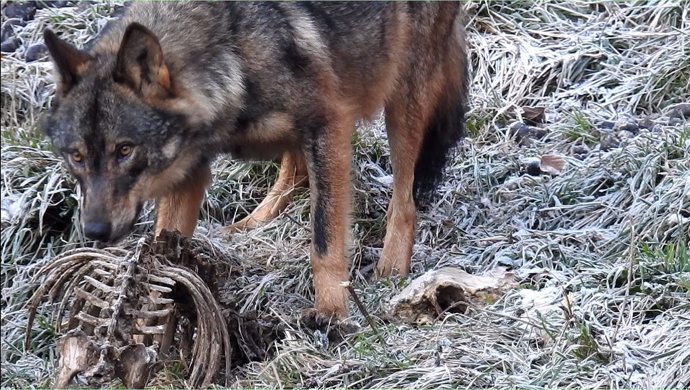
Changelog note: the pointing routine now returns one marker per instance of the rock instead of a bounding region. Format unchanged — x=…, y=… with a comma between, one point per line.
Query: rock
x=10, y=45
x=533, y=166
x=538, y=133
x=606, y=125
x=40, y=4
x=627, y=126
x=84, y=5
x=10, y=28
x=674, y=121
x=24, y=10
x=624, y=135
x=609, y=142
x=524, y=134
x=519, y=130
x=680, y=111
x=512, y=184
x=600, y=132
x=646, y=123
x=521, y=133
x=580, y=151
x=35, y=52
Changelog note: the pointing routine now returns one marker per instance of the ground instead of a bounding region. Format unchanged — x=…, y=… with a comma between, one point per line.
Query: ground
x=599, y=247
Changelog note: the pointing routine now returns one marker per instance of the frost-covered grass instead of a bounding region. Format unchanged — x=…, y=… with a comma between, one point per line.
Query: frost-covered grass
x=600, y=251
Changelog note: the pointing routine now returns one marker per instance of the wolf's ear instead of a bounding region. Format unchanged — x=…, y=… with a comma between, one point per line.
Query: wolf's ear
x=140, y=63
x=69, y=61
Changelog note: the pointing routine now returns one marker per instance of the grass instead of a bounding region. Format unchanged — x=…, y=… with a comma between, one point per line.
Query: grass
x=581, y=130
x=600, y=251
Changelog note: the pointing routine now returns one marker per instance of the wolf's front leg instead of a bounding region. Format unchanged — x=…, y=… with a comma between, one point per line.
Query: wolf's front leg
x=179, y=210
x=328, y=154
x=291, y=177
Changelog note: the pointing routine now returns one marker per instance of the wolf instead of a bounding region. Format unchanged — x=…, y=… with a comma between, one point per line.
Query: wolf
x=169, y=86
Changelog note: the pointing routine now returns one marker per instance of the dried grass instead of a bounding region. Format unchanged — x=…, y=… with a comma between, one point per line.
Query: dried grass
x=601, y=251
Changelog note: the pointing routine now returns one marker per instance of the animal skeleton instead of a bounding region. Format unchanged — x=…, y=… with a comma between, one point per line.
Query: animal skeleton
x=120, y=311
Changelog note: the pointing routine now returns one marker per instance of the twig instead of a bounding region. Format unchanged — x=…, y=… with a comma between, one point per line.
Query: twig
x=364, y=311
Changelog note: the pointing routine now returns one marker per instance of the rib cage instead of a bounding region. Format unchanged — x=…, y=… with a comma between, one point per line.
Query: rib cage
x=119, y=310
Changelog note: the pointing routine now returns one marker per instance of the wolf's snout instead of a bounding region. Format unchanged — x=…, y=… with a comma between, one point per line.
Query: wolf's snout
x=97, y=230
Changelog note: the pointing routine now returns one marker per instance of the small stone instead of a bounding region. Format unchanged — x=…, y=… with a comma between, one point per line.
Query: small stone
x=533, y=166
x=624, y=135
x=599, y=132
x=24, y=10
x=10, y=45
x=597, y=7
x=519, y=129
x=646, y=123
x=35, y=52
x=512, y=184
x=609, y=142
x=521, y=132
x=680, y=111
x=538, y=133
x=627, y=126
x=40, y=4
x=83, y=5
x=580, y=151
x=10, y=28
x=673, y=121
x=606, y=124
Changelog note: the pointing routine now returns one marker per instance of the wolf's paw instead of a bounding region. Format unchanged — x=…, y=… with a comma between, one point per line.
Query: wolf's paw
x=389, y=266
x=314, y=319
x=334, y=327
x=258, y=218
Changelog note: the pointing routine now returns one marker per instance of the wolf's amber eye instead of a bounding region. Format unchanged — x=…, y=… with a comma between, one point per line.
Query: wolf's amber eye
x=77, y=157
x=124, y=150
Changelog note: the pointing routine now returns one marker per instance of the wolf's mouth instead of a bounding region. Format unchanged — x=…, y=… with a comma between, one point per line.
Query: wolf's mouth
x=120, y=232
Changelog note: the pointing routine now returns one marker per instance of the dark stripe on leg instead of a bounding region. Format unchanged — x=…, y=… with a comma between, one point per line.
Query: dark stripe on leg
x=314, y=128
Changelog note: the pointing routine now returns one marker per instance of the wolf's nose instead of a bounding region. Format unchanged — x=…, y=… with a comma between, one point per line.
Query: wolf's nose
x=97, y=230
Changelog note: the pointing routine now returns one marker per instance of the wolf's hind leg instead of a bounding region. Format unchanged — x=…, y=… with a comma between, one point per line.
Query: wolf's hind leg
x=179, y=210
x=291, y=177
x=405, y=134
x=424, y=121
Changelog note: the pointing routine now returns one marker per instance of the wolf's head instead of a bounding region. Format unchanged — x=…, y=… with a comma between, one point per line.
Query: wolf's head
x=112, y=122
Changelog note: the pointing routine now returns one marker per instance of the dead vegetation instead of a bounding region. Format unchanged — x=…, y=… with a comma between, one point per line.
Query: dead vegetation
x=599, y=248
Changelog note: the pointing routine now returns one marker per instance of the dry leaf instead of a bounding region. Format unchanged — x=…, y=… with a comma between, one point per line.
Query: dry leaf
x=533, y=114
x=552, y=164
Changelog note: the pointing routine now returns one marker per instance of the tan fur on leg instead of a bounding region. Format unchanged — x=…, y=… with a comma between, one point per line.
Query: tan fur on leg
x=180, y=209
x=329, y=170
x=405, y=140
x=291, y=177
